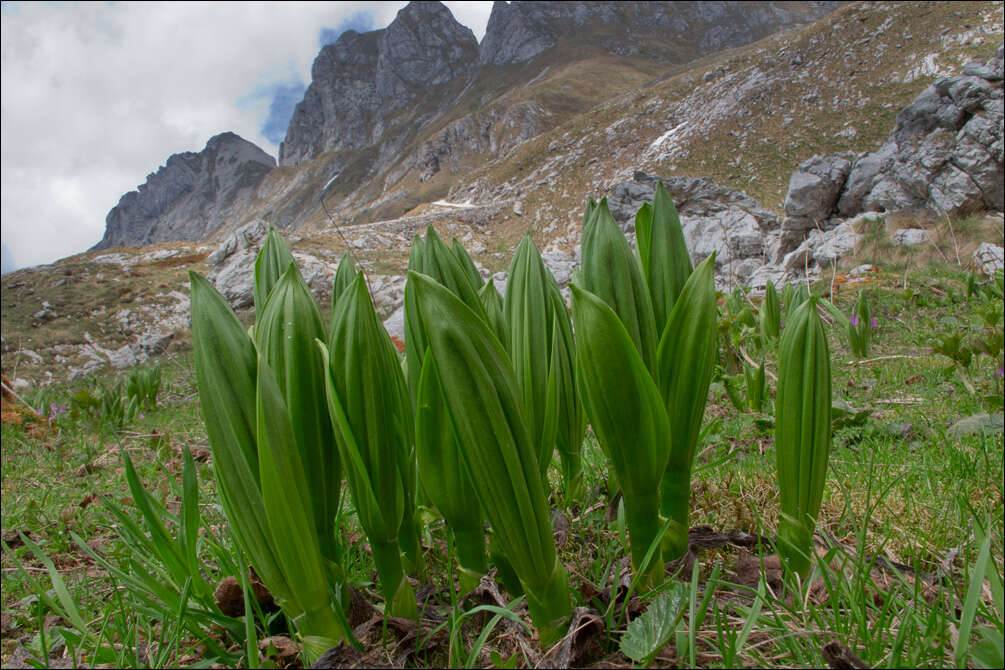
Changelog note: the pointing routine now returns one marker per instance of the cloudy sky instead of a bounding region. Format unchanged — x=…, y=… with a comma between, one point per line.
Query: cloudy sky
x=97, y=95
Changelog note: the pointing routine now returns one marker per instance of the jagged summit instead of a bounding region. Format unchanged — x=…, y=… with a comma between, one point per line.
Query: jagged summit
x=191, y=195
x=362, y=80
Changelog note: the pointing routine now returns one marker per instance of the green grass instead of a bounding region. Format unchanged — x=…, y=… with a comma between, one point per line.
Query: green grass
x=901, y=487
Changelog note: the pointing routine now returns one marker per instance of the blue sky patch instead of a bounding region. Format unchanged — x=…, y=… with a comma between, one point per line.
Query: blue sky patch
x=362, y=21
x=284, y=101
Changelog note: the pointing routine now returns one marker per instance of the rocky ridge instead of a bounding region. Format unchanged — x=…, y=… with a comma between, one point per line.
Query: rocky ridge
x=191, y=196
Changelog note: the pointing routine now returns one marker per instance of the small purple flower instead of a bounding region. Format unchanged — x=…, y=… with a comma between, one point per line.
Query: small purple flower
x=1000, y=372
x=873, y=323
x=854, y=320
x=141, y=415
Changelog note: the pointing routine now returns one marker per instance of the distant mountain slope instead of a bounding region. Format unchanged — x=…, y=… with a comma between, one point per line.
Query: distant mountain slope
x=398, y=138
x=396, y=117
x=567, y=100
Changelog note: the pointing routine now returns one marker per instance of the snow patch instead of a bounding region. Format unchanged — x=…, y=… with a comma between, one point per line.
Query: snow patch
x=667, y=135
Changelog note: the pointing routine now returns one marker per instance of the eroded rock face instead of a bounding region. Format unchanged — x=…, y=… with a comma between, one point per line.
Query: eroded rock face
x=191, y=196
x=944, y=158
x=379, y=87
x=360, y=82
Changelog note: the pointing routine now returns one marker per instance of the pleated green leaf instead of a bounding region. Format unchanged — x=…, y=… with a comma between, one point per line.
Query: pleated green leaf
x=666, y=262
x=627, y=414
x=288, y=511
x=493, y=303
x=687, y=357
x=372, y=412
x=432, y=257
x=798, y=294
x=754, y=380
x=613, y=273
x=272, y=261
x=570, y=417
x=469, y=265
x=442, y=473
x=644, y=234
x=860, y=327
x=527, y=310
x=417, y=253
x=788, y=291
x=440, y=263
x=590, y=217
x=770, y=314
x=415, y=340
x=285, y=335
x=487, y=413
x=226, y=375
x=344, y=275
x=802, y=431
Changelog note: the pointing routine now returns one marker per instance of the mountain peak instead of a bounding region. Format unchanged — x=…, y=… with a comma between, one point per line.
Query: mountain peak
x=363, y=79
x=190, y=196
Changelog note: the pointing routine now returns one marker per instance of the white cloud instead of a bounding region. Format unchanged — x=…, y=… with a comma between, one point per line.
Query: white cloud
x=98, y=95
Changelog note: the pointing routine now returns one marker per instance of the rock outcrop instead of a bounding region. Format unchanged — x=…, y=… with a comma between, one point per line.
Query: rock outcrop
x=233, y=266
x=362, y=81
x=943, y=158
x=191, y=196
x=714, y=218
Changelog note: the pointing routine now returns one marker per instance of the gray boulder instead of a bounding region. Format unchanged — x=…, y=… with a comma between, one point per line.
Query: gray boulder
x=945, y=154
x=988, y=259
x=812, y=197
x=909, y=237
x=561, y=264
x=822, y=249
